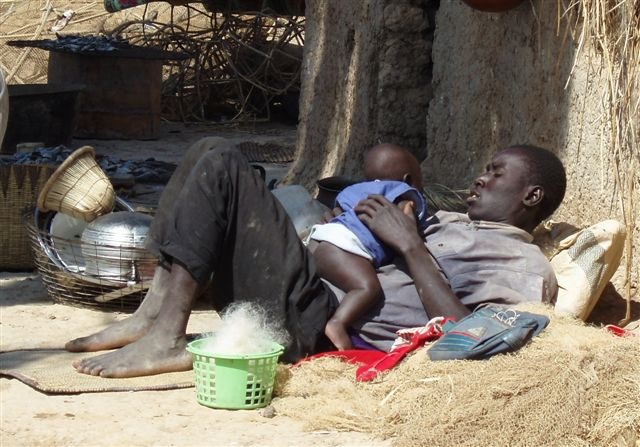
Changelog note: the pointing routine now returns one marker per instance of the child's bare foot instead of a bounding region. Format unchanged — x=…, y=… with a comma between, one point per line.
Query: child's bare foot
x=146, y=356
x=337, y=334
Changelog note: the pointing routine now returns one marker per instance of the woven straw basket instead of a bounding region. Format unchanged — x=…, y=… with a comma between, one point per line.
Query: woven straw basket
x=76, y=289
x=79, y=187
x=20, y=185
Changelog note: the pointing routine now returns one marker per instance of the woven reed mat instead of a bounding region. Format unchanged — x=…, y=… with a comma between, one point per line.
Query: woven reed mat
x=51, y=371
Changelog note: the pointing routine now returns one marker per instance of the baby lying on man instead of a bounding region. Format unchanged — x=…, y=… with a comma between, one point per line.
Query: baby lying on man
x=347, y=254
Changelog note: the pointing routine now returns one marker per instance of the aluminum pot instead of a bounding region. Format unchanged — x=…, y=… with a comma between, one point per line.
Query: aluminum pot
x=113, y=247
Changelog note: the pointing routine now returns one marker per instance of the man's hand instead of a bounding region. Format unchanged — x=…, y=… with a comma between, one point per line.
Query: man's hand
x=394, y=225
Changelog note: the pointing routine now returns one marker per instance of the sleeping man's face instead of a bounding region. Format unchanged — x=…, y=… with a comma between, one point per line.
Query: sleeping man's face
x=497, y=195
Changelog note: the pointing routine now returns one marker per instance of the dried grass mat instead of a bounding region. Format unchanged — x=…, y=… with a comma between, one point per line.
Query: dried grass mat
x=573, y=385
x=50, y=371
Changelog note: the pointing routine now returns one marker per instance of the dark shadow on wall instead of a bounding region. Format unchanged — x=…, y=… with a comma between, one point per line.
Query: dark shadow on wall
x=339, y=64
x=366, y=80
x=612, y=308
x=499, y=79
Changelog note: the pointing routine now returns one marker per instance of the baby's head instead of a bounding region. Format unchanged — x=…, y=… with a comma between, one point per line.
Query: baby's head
x=391, y=162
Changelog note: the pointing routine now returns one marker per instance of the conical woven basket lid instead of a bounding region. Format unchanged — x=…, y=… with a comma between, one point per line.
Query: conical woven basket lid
x=79, y=187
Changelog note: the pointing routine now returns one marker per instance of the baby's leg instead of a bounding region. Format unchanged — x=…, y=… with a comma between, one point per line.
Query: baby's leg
x=357, y=277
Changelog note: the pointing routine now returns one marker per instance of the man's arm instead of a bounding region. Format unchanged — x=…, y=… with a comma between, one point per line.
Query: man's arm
x=398, y=230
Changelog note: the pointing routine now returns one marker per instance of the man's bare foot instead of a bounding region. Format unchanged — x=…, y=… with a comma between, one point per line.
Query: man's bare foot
x=153, y=339
x=146, y=356
x=336, y=332
x=131, y=329
x=117, y=335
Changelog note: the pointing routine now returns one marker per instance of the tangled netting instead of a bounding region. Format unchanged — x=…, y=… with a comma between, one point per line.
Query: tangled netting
x=573, y=385
x=241, y=67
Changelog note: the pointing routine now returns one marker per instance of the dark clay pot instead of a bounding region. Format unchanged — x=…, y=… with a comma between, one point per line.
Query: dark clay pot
x=329, y=187
x=493, y=5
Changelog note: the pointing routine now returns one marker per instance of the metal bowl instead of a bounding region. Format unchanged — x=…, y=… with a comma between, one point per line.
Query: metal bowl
x=65, y=233
x=63, y=248
x=113, y=247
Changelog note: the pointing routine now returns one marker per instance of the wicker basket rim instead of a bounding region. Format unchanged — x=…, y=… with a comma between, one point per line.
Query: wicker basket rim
x=75, y=155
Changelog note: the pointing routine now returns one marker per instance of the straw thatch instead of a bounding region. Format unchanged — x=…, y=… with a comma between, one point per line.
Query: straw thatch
x=574, y=385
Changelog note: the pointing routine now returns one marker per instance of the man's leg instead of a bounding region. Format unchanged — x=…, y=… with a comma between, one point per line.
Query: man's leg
x=164, y=213
x=162, y=348
x=226, y=221
x=138, y=324
x=132, y=328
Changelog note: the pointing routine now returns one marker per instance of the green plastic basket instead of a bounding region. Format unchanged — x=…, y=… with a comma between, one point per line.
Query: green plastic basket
x=236, y=382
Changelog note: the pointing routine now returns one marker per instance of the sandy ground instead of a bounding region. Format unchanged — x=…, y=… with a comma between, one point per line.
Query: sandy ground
x=29, y=319
x=145, y=418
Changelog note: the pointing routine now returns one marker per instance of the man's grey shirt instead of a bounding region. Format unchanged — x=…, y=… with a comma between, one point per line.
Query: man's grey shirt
x=481, y=261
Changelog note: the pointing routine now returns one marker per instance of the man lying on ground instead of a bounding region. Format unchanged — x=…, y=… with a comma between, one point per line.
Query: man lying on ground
x=218, y=226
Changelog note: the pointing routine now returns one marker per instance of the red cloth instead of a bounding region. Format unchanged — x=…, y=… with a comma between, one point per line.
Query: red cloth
x=373, y=362
x=620, y=332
